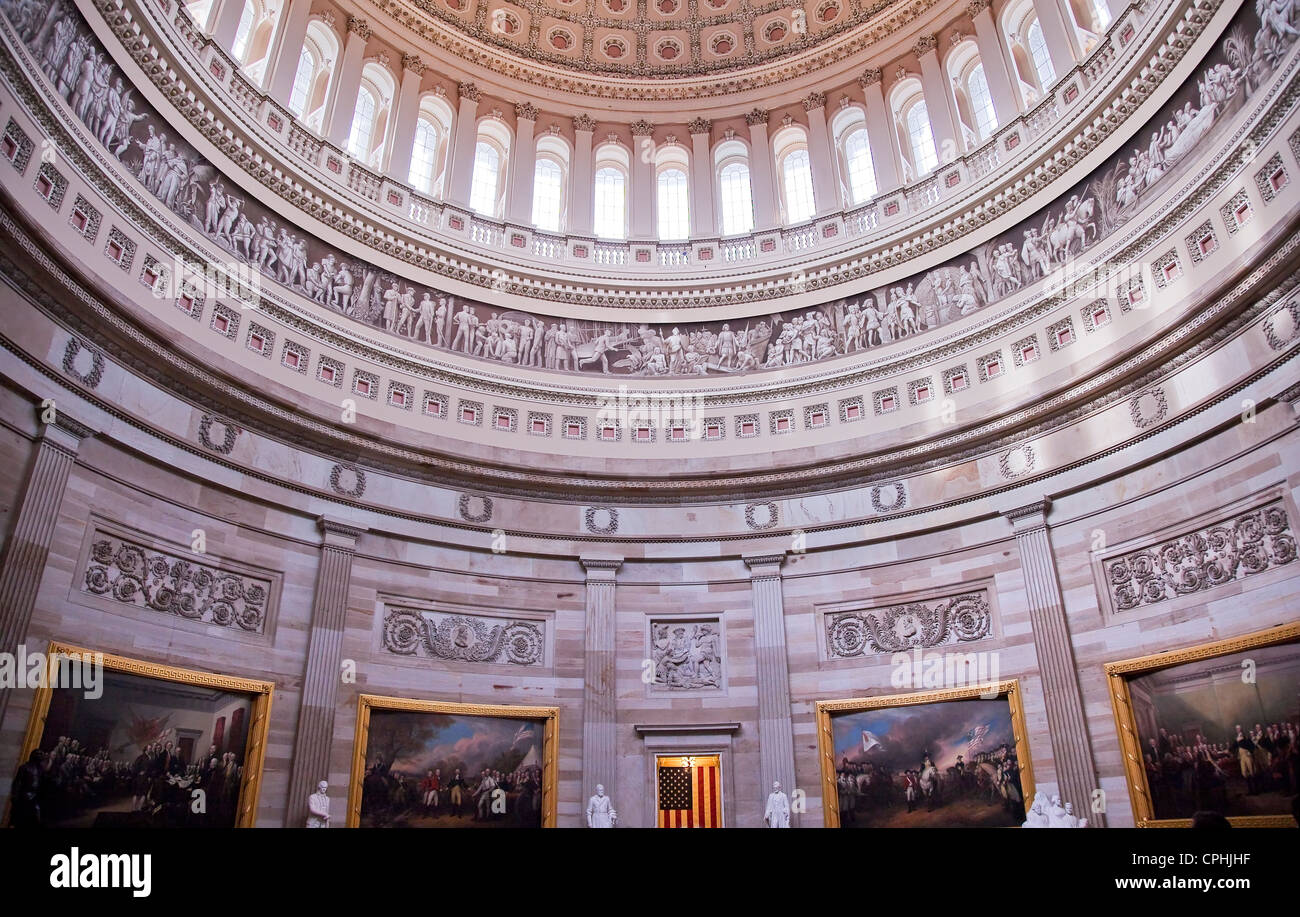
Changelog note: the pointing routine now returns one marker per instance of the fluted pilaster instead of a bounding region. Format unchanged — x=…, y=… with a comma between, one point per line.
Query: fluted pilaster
x=320, y=683
x=775, y=731
x=35, y=516
x=599, y=678
x=1071, y=748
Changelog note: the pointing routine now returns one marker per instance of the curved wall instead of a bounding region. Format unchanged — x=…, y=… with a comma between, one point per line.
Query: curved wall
x=1153, y=419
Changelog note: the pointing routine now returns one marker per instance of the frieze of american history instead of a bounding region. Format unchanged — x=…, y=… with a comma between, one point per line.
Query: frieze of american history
x=79, y=68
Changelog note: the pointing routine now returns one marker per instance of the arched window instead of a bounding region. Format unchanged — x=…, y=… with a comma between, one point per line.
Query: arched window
x=981, y=102
x=921, y=138
x=611, y=203
x=794, y=174
x=861, y=171
x=1041, y=57
x=361, y=135
x=302, y=79
x=424, y=154
x=243, y=33
x=548, y=194
x=737, y=198
x=486, y=180
x=672, y=192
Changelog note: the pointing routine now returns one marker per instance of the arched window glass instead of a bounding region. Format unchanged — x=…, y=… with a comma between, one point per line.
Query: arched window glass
x=242, y=33
x=610, y=204
x=674, y=206
x=1042, y=59
x=922, y=139
x=1101, y=13
x=486, y=181
x=363, y=124
x=302, y=83
x=796, y=177
x=424, y=155
x=862, y=173
x=737, y=199
x=981, y=103
x=548, y=194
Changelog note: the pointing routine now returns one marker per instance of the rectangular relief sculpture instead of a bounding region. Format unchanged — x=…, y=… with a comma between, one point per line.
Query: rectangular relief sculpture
x=122, y=743
x=430, y=764
x=1212, y=728
x=937, y=759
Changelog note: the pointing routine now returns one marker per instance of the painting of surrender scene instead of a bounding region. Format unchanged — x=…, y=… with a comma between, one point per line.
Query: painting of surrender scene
x=443, y=766
x=946, y=761
x=1217, y=733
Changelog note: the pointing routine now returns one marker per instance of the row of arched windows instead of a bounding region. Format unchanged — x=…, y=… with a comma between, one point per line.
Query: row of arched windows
x=854, y=168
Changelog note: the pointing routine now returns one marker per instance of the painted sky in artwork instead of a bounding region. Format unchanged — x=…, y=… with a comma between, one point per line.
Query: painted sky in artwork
x=476, y=740
x=944, y=729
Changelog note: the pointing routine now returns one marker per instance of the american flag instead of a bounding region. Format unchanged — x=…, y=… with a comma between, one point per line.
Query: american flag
x=976, y=737
x=688, y=791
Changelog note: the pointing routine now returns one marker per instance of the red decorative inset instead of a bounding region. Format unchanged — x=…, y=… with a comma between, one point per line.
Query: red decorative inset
x=706, y=254
x=456, y=222
x=767, y=245
x=394, y=198
x=1013, y=141
x=952, y=179
x=334, y=164
x=579, y=251
x=891, y=209
x=517, y=240
x=723, y=44
x=642, y=255
x=774, y=31
x=561, y=40
x=274, y=122
x=614, y=48
x=830, y=230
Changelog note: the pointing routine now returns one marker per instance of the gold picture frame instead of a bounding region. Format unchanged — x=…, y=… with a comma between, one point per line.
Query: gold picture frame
x=1118, y=675
x=259, y=718
x=550, y=739
x=1008, y=689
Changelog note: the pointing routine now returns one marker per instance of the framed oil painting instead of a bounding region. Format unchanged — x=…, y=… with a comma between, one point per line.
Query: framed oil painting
x=144, y=746
x=1212, y=728
x=429, y=764
x=938, y=759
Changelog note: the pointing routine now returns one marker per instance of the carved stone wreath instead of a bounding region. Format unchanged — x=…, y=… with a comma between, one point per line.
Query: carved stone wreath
x=336, y=480
x=589, y=520
x=1140, y=419
x=1023, y=465
x=135, y=575
x=463, y=638
x=773, y=516
x=230, y=433
x=1280, y=328
x=462, y=507
x=959, y=619
x=91, y=378
x=1208, y=557
x=899, y=502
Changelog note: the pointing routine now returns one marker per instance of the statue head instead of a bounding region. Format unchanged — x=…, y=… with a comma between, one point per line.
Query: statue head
x=776, y=785
x=322, y=787
x=600, y=789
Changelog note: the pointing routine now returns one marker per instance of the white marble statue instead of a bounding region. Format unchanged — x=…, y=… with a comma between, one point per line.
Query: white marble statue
x=318, y=807
x=1036, y=817
x=777, y=814
x=600, y=810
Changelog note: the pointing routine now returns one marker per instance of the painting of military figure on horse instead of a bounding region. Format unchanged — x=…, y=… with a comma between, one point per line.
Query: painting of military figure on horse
x=947, y=764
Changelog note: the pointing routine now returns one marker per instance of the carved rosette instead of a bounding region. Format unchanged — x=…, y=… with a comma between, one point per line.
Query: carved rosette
x=926, y=624
x=464, y=638
x=134, y=574
x=1208, y=557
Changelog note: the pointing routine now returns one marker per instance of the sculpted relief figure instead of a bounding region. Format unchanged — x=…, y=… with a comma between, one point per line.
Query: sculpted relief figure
x=84, y=74
x=687, y=655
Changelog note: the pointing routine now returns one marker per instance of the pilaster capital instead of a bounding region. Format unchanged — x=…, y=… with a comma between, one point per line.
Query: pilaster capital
x=62, y=431
x=600, y=567
x=338, y=534
x=975, y=7
x=642, y=128
x=1029, y=517
x=526, y=111
x=757, y=116
x=1291, y=396
x=413, y=63
x=699, y=126
x=584, y=122
x=925, y=43
x=359, y=27
x=764, y=566
x=813, y=100
x=870, y=77
x=468, y=91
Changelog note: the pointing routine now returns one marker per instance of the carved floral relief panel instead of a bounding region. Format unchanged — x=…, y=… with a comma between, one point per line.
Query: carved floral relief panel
x=464, y=637
x=907, y=623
